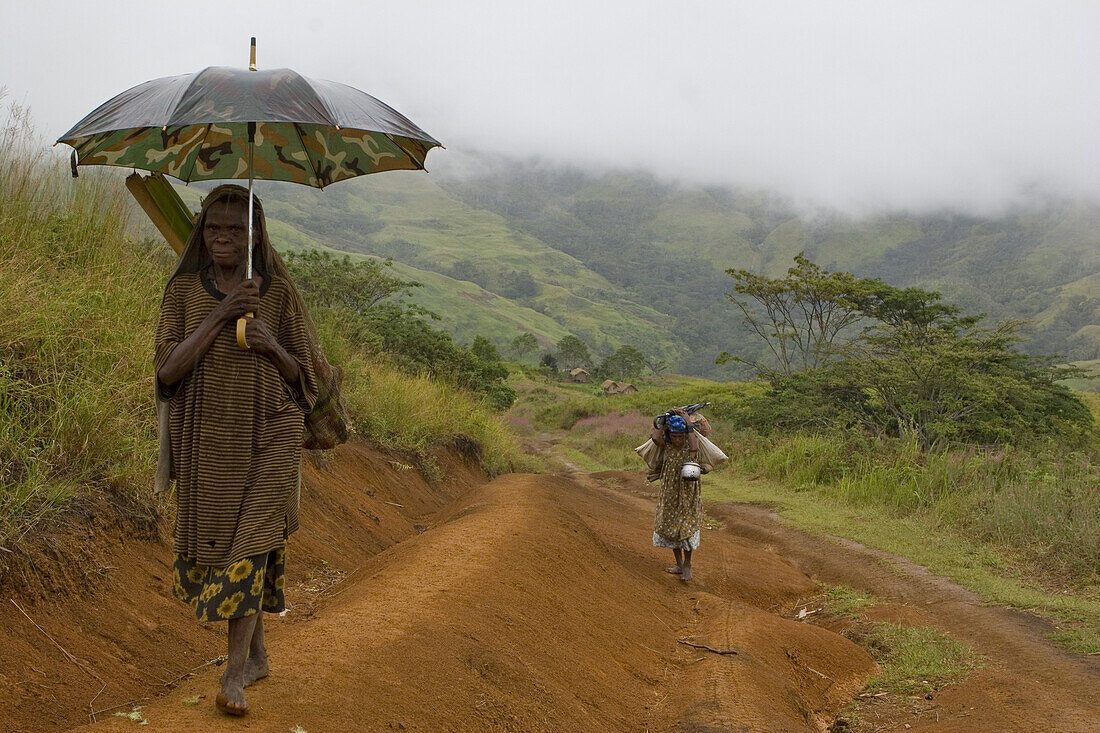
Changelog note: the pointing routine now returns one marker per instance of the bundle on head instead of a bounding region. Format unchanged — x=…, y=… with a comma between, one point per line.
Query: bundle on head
x=685, y=412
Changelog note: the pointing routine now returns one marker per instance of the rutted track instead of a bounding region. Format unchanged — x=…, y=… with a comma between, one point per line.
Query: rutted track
x=536, y=603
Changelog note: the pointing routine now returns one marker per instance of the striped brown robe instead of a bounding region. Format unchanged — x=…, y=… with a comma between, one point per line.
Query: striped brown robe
x=235, y=425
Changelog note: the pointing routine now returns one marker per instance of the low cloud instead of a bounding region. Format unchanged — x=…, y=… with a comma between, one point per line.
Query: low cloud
x=851, y=105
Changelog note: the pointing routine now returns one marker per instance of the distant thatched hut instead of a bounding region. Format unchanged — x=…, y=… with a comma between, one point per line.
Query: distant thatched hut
x=580, y=375
x=612, y=387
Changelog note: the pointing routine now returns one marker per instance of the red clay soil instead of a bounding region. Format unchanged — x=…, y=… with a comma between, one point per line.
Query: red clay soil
x=87, y=618
x=537, y=604
x=1029, y=684
x=531, y=603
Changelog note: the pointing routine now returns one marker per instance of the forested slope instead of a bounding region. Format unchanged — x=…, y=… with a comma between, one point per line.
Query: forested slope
x=624, y=258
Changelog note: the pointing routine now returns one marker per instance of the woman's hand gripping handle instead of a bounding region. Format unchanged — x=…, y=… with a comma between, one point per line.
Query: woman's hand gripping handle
x=242, y=304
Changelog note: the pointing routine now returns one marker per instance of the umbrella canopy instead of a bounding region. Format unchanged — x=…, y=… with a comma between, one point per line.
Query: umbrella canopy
x=195, y=127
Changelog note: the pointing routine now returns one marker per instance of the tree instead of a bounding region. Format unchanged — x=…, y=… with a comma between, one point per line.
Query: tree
x=625, y=363
x=656, y=364
x=549, y=361
x=467, y=270
x=358, y=286
x=573, y=351
x=913, y=310
x=924, y=371
x=524, y=344
x=363, y=301
x=518, y=285
x=485, y=349
x=954, y=382
x=799, y=316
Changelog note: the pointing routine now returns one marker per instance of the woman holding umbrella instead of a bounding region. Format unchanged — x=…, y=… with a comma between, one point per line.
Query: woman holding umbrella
x=231, y=426
x=232, y=391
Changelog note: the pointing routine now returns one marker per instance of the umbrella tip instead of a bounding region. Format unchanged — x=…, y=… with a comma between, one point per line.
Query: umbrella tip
x=252, y=55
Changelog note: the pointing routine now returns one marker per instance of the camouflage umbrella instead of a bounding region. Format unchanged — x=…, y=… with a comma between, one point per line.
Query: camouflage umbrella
x=202, y=126
x=233, y=123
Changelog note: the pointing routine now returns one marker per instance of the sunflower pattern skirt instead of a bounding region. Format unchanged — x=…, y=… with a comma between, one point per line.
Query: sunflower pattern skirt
x=241, y=589
x=679, y=514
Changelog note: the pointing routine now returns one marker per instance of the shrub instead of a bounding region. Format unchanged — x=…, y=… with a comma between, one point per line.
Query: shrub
x=368, y=303
x=922, y=371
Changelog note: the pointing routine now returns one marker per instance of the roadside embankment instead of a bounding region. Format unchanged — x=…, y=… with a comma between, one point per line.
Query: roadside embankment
x=87, y=617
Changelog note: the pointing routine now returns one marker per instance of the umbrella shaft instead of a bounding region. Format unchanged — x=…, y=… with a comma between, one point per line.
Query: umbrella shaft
x=242, y=322
x=250, y=147
x=249, y=275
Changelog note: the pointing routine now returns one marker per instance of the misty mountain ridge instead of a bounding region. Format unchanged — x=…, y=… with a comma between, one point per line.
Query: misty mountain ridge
x=506, y=246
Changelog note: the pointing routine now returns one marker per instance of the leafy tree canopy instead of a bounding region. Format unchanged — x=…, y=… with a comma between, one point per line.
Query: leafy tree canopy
x=799, y=316
x=626, y=363
x=524, y=345
x=358, y=286
x=485, y=349
x=367, y=302
x=917, y=368
x=573, y=351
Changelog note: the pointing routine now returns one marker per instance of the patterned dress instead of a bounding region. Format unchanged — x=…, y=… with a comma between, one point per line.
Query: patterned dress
x=236, y=437
x=246, y=587
x=679, y=505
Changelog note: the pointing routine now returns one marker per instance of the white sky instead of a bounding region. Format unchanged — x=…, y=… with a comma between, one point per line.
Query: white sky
x=859, y=105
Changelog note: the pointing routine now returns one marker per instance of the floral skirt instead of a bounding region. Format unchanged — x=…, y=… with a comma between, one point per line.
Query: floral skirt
x=679, y=515
x=689, y=543
x=241, y=589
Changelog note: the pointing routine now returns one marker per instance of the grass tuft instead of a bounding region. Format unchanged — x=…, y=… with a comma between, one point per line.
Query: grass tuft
x=916, y=660
x=415, y=413
x=77, y=301
x=840, y=601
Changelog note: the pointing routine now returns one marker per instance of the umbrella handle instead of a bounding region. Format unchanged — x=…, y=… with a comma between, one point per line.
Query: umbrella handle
x=242, y=323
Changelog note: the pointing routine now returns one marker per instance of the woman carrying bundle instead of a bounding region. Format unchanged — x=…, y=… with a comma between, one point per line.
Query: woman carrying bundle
x=680, y=503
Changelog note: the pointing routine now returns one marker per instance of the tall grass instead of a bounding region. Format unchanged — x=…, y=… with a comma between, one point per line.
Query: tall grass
x=77, y=300
x=79, y=297
x=1038, y=504
x=414, y=413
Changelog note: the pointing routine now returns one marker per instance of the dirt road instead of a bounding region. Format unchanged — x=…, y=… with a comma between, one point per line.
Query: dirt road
x=536, y=603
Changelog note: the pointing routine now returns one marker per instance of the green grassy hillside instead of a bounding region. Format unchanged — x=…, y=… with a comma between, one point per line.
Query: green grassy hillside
x=623, y=258
x=669, y=246
x=483, y=276
x=469, y=309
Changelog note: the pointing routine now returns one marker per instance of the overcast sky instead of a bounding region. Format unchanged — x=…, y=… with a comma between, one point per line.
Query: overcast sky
x=858, y=105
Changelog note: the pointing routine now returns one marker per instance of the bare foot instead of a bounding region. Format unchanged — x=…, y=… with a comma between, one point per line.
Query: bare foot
x=685, y=574
x=231, y=698
x=255, y=669
x=675, y=570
